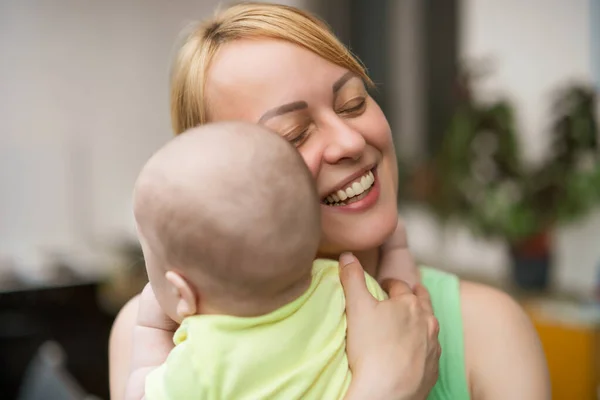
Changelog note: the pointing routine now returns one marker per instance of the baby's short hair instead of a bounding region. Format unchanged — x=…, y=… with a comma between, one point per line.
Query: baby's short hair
x=232, y=206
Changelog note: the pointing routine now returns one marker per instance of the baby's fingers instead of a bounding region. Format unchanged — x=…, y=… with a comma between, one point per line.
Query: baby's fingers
x=396, y=288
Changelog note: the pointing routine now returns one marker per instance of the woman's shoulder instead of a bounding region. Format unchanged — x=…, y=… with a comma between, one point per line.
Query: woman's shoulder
x=475, y=300
x=502, y=348
x=488, y=342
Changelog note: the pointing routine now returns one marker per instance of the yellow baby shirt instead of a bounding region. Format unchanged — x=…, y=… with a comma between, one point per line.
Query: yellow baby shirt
x=295, y=352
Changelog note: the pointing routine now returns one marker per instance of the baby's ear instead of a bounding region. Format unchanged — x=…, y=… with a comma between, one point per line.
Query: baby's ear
x=187, y=301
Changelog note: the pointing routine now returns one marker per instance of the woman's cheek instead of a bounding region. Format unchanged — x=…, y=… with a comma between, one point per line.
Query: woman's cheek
x=394, y=168
x=376, y=128
x=312, y=156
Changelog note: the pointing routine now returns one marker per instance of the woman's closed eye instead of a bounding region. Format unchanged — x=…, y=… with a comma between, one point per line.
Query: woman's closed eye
x=353, y=107
x=297, y=136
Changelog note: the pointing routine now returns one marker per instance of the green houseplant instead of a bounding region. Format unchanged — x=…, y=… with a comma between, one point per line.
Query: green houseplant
x=479, y=177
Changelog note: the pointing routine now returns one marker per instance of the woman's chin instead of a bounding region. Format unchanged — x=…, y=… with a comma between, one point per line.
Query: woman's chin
x=363, y=233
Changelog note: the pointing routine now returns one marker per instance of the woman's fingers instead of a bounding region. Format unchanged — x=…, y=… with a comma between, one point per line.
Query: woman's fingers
x=353, y=281
x=424, y=298
x=425, y=301
x=400, y=333
x=434, y=327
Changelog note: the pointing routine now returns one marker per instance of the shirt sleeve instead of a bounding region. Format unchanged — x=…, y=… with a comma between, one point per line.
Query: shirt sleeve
x=179, y=377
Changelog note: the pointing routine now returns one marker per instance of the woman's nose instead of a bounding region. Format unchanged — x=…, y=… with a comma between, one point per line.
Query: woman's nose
x=344, y=142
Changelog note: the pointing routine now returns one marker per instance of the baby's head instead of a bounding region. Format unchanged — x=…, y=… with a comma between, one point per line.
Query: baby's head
x=229, y=221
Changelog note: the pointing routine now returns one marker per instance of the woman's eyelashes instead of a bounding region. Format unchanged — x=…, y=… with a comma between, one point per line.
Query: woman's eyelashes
x=353, y=107
x=297, y=136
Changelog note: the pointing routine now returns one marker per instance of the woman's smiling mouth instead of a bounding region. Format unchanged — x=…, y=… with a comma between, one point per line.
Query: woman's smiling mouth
x=352, y=192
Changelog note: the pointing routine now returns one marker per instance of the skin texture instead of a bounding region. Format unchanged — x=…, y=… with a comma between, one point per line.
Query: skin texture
x=338, y=134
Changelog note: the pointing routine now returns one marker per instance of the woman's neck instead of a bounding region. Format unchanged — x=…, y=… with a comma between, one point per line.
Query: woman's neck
x=369, y=260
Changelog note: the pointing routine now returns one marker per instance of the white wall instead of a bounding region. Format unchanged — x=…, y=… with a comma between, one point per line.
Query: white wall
x=84, y=102
x=535, y=46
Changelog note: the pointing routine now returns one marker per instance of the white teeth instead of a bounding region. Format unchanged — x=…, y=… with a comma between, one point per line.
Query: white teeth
x=356, y=188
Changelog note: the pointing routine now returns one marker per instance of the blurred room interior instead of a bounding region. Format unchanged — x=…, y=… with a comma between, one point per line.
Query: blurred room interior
x=494, y=112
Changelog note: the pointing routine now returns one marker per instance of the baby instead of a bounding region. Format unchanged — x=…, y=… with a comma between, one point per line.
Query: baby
x=229, y=221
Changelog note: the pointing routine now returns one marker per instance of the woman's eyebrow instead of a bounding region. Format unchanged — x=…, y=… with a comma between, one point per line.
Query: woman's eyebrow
x=286, y=108
x=337, y=85
x=299, y=105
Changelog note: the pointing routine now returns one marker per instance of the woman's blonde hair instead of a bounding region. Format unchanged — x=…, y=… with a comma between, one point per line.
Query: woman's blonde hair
x=245, y=21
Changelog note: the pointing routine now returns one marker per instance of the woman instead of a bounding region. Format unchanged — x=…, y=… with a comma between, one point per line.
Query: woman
x=282, y=68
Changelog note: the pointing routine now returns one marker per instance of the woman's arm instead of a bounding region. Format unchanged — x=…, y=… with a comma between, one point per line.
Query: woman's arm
x=504, y=356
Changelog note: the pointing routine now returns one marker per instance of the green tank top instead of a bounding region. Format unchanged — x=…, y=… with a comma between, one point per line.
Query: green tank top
x=444, y=289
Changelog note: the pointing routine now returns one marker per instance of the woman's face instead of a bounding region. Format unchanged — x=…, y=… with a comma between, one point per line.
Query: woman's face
x=326, y=112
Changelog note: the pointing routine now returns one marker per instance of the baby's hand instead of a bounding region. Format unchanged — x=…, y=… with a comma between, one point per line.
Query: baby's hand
x=396, y=260
x=152, y=342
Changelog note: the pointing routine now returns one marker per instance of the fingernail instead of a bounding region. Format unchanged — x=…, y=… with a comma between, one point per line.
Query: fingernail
x=346, y=258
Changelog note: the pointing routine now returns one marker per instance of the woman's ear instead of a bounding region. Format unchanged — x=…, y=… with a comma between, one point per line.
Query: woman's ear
x=187, y=299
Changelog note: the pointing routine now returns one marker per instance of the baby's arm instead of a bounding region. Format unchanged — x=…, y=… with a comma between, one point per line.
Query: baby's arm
x=152, y=342
x=396, y=261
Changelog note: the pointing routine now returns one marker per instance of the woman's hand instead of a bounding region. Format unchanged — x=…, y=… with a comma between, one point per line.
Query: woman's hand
x=392, y=345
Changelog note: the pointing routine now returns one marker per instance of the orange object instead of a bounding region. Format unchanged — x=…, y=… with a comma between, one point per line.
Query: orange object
x=572, y=347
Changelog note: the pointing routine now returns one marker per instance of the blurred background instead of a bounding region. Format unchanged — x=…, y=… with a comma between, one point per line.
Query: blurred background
x=494, y=112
